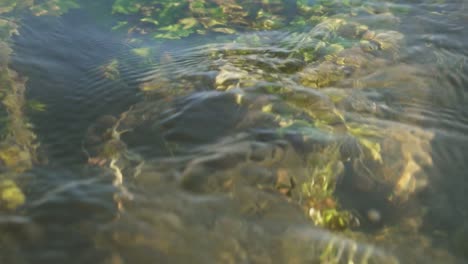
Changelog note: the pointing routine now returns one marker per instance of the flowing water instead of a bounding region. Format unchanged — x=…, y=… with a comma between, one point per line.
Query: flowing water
x=234, y=131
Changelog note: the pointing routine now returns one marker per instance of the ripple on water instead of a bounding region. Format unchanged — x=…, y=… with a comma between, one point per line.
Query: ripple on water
x=418, y=100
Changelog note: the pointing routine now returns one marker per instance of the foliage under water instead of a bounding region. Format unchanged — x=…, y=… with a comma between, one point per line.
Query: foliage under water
x=291, y=122
x=16, y=140
x=171, y=19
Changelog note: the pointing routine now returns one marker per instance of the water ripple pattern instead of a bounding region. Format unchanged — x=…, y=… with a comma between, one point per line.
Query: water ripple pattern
x=256, y=147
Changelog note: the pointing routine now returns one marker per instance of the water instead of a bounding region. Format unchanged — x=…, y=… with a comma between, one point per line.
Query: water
x=333, y=140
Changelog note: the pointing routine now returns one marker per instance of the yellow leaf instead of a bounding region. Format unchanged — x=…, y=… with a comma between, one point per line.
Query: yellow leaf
x=10, y=195
x=188, y=22
x=373, y=147
x=224, y=30
x=142, y=52
x=267, y=108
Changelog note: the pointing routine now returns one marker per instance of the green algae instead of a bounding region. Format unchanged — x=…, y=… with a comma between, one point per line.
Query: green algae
x=36, y=105
x=53, y=7
x=111, y=70
x=177, y=19
x=18, y=143
x=11, y=195
x=38, y=8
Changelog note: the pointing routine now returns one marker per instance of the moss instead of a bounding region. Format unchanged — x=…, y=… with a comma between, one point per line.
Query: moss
x=53, y=7
x=11, y=196
x=36, y=105
x=323, y=75
x=332, y=219
x=17, y=144
x=111, y=70
x=172, y=19
x=14, y=158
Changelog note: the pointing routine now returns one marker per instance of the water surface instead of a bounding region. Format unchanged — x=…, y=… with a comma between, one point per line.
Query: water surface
x=338, y=140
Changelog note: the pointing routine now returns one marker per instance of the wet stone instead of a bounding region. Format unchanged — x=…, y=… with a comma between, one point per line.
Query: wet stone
x=218, y=171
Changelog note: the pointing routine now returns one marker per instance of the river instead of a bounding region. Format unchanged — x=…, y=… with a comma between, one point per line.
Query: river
x=139, y=131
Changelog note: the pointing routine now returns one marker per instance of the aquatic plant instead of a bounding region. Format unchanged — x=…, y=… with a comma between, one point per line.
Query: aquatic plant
x=17, y=140
x=111, y=70
x=318, y=190
x=175, y=19
x=171, y=19
x=11, y=195
x=17, y=146
x=35, y=105
x=53, y=7
x=38, y=8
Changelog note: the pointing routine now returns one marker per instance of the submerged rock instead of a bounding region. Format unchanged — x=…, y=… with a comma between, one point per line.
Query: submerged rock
x=258, y=134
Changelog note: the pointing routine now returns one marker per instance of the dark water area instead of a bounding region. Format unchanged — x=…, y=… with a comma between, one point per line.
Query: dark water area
x=340, y=140
x=64, y=55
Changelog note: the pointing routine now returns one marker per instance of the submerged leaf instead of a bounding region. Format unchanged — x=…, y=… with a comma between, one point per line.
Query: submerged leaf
x=11, y=196
x=36, y=105
x=150, y=20
x=224, y=30
x=7, y=6
x=373, y=147
x=111, y=70
x=53, y=7
x=142, y=52
x=189, y=22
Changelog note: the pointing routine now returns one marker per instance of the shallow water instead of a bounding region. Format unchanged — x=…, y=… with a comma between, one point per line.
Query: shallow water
x=232, y=148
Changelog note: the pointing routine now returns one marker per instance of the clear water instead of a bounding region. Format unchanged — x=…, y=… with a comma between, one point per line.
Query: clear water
x=202, y=154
